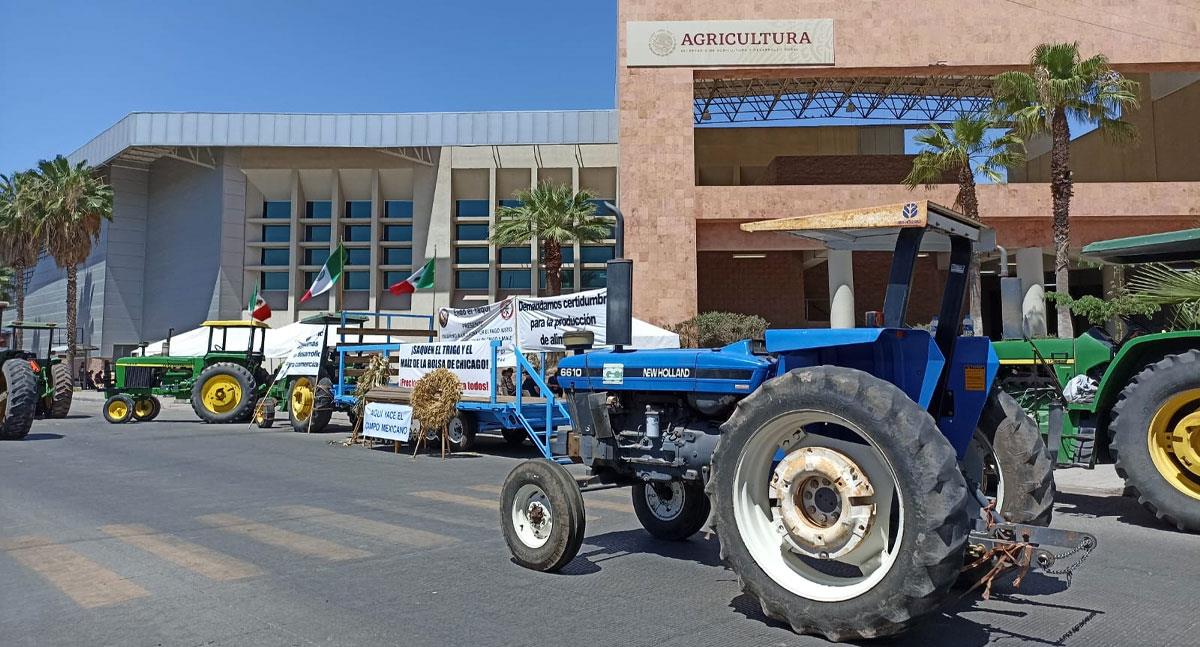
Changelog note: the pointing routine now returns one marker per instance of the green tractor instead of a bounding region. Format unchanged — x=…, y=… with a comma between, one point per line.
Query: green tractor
x=222, y=384
x=18, y=391
x=54, y=387
x=1138, y=397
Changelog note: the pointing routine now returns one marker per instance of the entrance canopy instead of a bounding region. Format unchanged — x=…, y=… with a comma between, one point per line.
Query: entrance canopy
x=1183, y=245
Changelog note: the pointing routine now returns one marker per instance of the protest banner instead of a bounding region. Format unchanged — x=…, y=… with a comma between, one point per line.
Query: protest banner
x=306, y=359
x=470, y=361
x=387, y=421
x=542, y=321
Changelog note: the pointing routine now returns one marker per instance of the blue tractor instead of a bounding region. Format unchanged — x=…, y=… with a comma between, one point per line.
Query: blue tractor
x=850, y=474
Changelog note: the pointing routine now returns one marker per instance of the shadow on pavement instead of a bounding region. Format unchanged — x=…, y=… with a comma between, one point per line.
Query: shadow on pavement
x=614, y=545
x=1122, y=508
x=43, y=436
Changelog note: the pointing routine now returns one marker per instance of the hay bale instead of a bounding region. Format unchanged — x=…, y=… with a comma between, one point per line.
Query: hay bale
x=435, y=399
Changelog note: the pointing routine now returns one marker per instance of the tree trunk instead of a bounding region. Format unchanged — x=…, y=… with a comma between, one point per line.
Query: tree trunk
x=1060, y=190
x=552, y=253
x=18, y=294
x=72, y=314
x=968, y=201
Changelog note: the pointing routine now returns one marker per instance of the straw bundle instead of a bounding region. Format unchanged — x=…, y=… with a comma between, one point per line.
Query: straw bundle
x=435, y=402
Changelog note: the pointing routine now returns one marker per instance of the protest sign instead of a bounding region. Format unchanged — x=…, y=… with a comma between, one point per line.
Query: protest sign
x=470, y=361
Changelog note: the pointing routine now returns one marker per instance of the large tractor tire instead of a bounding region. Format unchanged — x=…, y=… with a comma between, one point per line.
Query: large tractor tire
x=672, y=511
x=1008, y=459
x=224, y=393
x=460, y=431
x=309, y=398
x=542, y=515
x=58, y=403
x=839, y=504
x=18, y=399
x=1155, y=439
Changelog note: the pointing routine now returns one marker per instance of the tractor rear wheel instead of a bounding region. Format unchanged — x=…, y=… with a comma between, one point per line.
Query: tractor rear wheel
x=1155, y=438
x=58, y=403
x=223, y=393
x=542, y=515
x=118, y=409
x=18, y=399
x=1007, y=457
x=146, y=409
x=310, y=398
x=672, y=511
x=460, y=431
x=839, y=504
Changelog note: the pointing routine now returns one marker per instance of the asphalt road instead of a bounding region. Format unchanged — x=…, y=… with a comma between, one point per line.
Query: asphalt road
x=177, y=533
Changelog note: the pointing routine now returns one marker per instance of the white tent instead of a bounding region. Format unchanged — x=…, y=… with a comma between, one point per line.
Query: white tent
x=647, y=335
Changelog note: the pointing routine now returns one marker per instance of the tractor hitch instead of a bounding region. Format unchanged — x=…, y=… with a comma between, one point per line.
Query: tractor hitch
x=1015, y=547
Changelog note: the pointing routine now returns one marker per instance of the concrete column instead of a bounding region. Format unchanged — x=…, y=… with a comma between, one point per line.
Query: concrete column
x=433, y=208
x=1032, y=272
x=377, y=284
x=295, y=276
x=841, y=288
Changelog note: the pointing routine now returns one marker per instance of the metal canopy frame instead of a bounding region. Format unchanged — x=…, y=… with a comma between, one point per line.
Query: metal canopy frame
x=919, y=98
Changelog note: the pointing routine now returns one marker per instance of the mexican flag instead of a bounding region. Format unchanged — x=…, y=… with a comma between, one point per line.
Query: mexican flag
x=422, y=279
x=329, y=274
x=258, y=307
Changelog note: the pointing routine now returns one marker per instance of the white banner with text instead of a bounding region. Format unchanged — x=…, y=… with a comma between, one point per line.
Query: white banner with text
x=387, y=421
x=471, y=361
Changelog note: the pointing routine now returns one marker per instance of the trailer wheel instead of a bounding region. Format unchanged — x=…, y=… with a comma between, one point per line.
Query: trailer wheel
x=58, y=403
x=460, y=431
x=223, y=393
x=310, y=398
x=839, y=504
x=146, y=409
x=118, y=409
x=673, y=511
x=18, y=399
x=1007, y=457
x=1155, y=438
x=542, y=515
x=514, y=437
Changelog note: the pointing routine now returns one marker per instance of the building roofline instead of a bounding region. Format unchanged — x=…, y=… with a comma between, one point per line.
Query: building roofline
x=349, y=130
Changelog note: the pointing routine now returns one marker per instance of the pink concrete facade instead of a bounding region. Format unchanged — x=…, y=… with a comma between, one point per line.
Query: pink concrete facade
x=670, y=218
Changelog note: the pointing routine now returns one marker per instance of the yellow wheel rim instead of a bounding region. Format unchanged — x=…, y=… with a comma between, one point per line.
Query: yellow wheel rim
x=1174, y=441
x=117, y=410
x=302, y=398
x=143, y=408
x=221, y=393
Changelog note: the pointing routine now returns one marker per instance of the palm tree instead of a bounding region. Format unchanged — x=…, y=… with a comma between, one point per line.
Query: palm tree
x=1061, y=86
x=20, y=236
x=964, y=150
x=1178, y=290
x=555, y=215
x=74, y=202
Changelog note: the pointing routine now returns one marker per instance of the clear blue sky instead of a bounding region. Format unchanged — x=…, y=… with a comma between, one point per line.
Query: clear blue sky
x=70, y=69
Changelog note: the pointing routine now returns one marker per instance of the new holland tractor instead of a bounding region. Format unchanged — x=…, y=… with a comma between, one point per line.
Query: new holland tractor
x=223, y=384
x=850, y=474
x=1138, y=397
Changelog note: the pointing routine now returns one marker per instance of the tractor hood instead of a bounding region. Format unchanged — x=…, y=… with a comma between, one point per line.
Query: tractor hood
x=732, y=369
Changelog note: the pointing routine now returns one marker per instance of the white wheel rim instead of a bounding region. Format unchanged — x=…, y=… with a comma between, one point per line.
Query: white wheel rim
x=532, y=516
x=766, y=536
x=977, y=465
x=454, y=430
x=669, y=508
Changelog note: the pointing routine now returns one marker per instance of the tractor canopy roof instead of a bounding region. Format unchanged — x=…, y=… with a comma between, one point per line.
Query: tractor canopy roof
x=34, y=325
x=1183, y=245
x=234, y=324
x=334, y=318
x=876, y=228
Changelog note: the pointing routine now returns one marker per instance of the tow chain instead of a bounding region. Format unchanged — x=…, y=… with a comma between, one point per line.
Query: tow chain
x=1086, y=547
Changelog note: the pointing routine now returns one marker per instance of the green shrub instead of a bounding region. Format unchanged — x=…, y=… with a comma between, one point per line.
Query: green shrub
x=716, y=329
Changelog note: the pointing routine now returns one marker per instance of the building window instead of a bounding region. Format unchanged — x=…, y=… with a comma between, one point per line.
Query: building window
x=471, y=232
x=398, y=209
x=567, y=277
x=274, y=280
x=596, y=254
x=509, y=203
x=471, y=208
x=471, y=279
x=356, y=233
x=358, y=209
x=358, y=280
x=514, y=255
x=274, y=257
x=397, y=256
x=594, y=279
x=397, y=233
x=309, y=277
x=568, y=254
x=277, y=233
x=601, y=209
x=471, y=255
x=514, y=279
x=318, y=209
x=358, y=256
x=277, y=209
x=393, y=277
x=316, y=233
x=316, y=256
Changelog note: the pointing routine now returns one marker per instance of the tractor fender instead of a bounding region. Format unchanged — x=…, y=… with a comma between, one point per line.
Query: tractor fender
x=1133, y=356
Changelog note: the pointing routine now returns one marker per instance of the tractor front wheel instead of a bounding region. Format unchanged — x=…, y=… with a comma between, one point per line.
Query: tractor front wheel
x=673, y=511
x=542, y=515
x=58, y=402
x=18, y=399
x=223, y=393
x=1155, y=438
x=1007, y=457
x=146, y=409
x=118, y=409
x=264, y=413
x=839, y=504
x=310, y=404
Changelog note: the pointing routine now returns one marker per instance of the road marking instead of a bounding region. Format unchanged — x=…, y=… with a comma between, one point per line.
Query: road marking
x=447, y=497
x=206, y=562
x=89, y=584
x=370, y=527
x=285, y=539
x=590, y=501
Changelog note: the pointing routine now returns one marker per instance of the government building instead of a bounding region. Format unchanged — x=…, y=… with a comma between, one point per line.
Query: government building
x=726, y=113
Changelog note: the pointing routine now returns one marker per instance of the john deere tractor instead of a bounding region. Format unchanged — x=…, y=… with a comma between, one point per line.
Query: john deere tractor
x=55, y=387
x=1138, y=396
x=18, y=391
x=223, y=384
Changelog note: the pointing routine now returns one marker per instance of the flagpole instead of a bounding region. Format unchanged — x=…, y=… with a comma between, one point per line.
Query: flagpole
x=341, y=304
x=433, y=297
